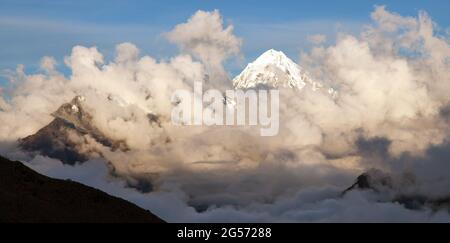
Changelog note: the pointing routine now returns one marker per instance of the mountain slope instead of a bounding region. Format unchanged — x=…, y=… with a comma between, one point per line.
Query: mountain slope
x=396, y=188
x=272, y=69
x=64, y=137
x=27, y=196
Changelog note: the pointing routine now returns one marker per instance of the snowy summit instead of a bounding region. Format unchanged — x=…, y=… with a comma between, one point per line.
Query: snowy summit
x=273, y=69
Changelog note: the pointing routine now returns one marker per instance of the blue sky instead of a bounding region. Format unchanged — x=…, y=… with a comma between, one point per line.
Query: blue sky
x=31, y=29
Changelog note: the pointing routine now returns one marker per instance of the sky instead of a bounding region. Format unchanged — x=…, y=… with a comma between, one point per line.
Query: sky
x=55, y=26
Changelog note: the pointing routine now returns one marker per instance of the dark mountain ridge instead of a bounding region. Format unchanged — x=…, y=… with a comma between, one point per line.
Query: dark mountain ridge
x=27, y=196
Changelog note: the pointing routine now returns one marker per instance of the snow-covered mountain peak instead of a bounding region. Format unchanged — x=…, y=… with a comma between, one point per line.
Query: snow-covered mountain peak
x=274, y=69
x=273, y=57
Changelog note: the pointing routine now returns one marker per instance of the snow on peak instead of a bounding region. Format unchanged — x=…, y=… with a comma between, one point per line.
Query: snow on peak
x=80, y=98
x=274, y=69
x=273, y=57
x=75, y=108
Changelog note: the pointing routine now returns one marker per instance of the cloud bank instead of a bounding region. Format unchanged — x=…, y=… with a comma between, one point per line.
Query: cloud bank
x=205, y=37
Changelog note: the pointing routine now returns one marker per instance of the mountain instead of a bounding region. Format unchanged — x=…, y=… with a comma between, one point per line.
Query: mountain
x=64, y=137
x=27, y=196
x=375, y=180
x=273, y=69
x=397, y=189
